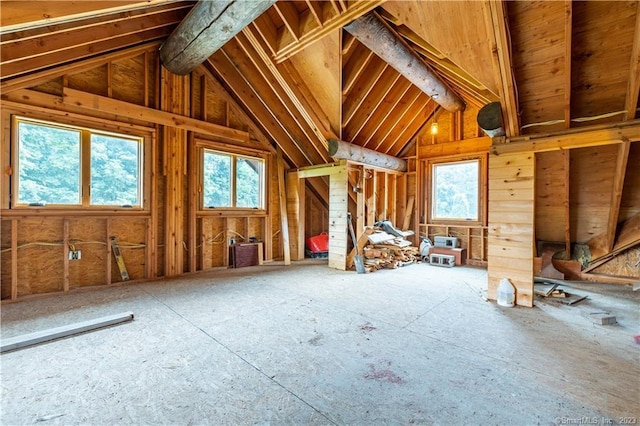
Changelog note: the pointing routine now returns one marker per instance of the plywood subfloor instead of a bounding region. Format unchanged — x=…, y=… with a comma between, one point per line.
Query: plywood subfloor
x=307, y=344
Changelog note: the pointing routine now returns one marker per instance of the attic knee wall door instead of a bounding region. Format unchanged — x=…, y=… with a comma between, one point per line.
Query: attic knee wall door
x=511, y=223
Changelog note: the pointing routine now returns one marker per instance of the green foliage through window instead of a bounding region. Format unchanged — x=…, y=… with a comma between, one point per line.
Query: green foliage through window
x=50, y=166
x=232, y=181
x=455, y=190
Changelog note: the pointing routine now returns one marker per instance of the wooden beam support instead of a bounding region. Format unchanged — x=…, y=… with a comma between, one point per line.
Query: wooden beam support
x=374, y=34
x=351, y=152
x=207, y=27
x=125, y=109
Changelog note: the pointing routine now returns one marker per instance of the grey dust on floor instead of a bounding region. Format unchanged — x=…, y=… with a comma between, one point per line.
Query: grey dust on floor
x=306, y=344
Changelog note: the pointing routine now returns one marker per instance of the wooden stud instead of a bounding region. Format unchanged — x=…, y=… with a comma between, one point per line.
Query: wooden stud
x=14, y=259
x=282, y=194
x=567, y=201
x=65, y=260
x=108, y=254
x=194, y=171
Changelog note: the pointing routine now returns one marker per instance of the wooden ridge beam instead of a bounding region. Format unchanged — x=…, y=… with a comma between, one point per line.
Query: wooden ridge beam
x=371, y=31
x=207, y=27
x=125, y=109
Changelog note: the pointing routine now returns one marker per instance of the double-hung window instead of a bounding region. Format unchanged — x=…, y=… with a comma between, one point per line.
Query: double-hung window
x=232, y=181
x=61, y=165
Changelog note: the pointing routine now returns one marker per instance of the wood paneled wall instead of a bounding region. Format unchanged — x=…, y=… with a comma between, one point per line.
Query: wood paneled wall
x=511, y=223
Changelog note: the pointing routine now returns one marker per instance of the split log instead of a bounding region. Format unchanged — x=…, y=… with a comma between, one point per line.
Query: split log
x=490, y=120
x=347, y=151
x=374, y=34
x=207, y=27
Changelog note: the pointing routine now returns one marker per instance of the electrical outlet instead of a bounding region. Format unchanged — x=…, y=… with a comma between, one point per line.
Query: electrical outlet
x=75, y=254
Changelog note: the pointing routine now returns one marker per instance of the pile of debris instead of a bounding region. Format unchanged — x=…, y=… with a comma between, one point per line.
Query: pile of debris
x=385, y=247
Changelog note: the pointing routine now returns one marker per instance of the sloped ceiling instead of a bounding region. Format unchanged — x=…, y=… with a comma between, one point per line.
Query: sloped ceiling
x=552, y=65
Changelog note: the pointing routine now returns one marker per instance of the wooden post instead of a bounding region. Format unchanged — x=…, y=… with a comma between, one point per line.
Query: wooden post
x=374, y=34
x=282, y=194
x=296, y=211
x=207, y=27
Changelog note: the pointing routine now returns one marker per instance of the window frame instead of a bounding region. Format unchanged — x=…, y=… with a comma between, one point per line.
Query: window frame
x=86, y=128
x=234, y=155
x=431, y=190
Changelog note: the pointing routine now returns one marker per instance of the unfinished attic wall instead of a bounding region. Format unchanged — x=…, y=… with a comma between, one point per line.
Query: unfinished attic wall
x=172, y=234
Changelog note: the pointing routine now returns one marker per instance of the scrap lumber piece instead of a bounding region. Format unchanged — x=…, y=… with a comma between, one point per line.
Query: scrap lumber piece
x=380, y=237
x=35, y=338
x=362, y=242
x=544, y=289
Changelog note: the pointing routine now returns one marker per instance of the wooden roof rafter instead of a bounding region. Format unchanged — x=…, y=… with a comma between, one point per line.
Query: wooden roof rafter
x=497, y=24
x=413, y=96
x=351, y=103
x=633, y=87
x=383, y=112
x=309, y=118
x=302, y=28
x=370, y=103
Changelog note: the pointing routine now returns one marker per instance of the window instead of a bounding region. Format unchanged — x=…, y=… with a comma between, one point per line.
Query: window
x=66, y=165
x=232, y=181
x=455, y=190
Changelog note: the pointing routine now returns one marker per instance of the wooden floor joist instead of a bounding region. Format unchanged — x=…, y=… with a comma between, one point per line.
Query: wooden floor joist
x=37, y=337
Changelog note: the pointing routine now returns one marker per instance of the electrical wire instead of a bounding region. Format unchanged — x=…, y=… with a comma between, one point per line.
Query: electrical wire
x=576, y=120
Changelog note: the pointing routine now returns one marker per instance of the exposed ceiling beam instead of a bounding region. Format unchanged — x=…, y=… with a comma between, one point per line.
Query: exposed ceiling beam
x=21, y=15
x=498, y=31
x=290, y=45
x=371, y=31
x=568, y=30
x=207, y=27
x=633, y=87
